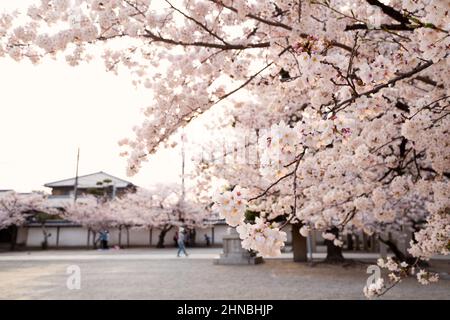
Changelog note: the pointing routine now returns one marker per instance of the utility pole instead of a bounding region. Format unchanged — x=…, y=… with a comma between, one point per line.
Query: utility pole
x=183, y=161
x=75, y=188
x=183, y=190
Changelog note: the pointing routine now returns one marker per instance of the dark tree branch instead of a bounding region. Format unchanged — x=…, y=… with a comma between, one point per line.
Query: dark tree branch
x=278, y=24
x=345, y=103
x=201, y=25
x=393, y=27
x=429, y=81
x=293, y=172
x=391, y=12
x=159, y=38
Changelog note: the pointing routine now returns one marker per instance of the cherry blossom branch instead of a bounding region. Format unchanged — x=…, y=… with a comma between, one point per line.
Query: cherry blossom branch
x=428, y=106
x=159, y=38
x=391, y=12
x=342, y=105
x=294, y=189
x=294, y=184
x=386, y=144
x=382, y=27
x=279, y=24
x=348, y=217
x=201, y=25
x=403, y=19
x=429, y=81
x=255, y=17
x=293, y=172
x=402, y=274
x=186, y=118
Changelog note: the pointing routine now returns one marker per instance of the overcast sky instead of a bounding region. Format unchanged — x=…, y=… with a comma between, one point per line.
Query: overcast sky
x=47, y=111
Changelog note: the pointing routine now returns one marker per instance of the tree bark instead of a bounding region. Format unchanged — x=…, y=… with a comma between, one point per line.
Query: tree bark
x=334, y=253
x=398, y=253
x=128, y=237
x=162, y=235
x=13, y=238
x=120, y=236
x=44, y=243
x=350, y=242
x=94, y=240
x=192, y=237
x=299, y=245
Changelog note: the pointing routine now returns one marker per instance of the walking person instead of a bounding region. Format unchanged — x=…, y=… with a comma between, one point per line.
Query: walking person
x=207, y=240
x=106, y=247
x=181, y=246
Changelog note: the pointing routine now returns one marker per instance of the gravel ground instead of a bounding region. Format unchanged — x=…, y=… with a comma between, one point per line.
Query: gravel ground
x=45, y=277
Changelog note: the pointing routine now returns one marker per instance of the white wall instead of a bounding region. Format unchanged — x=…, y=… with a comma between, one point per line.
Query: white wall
x=140, y=237
x=22, y=235
x=35, y=237
x=78, y=236
x=72, y=237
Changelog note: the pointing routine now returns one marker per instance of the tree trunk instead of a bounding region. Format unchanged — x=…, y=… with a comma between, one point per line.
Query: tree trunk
x=13, y=238
x=350, y=242
x=192, y=238
x=44, y=243
x=399, y=254
x=150, y=236
x=162, y=235
x=94, y=240
x=128, y=237
x=120, y=236
x=299, y=245
x=334, y=253
x=357, y=244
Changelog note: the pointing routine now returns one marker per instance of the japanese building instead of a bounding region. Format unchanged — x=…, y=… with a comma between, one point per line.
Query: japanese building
x=64, y=233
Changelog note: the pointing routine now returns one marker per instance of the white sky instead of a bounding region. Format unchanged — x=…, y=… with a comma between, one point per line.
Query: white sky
x=47, y=111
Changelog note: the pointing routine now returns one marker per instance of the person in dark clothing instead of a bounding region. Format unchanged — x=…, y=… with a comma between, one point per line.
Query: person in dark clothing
x=106, y=246
x=104, y=237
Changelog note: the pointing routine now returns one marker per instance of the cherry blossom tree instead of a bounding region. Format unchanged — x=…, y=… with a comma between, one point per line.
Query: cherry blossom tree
x=160, y=207
x=16, y=208
x=163, y=207
x=349, y=100
x=94, y=213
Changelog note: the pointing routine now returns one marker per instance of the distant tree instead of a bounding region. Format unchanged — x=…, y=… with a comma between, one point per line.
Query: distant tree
x=16, y=208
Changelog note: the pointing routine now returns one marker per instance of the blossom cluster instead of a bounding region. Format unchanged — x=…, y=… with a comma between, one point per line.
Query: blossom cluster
x=232, y=205
x=262, y=237
x=374, y=289
x=15, y=208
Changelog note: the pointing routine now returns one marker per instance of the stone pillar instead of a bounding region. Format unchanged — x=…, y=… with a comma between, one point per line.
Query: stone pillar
x=299, y=245
x=233, y=253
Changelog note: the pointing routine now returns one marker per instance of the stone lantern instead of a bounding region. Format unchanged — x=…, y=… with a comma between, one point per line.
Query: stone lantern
x=233, y=253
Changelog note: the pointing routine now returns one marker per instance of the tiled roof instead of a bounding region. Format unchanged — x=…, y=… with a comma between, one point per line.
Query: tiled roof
x=90, y=181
